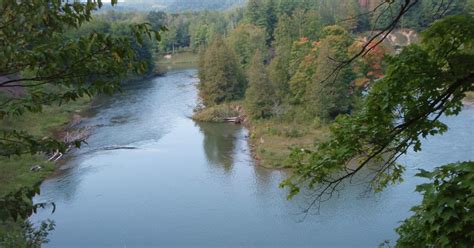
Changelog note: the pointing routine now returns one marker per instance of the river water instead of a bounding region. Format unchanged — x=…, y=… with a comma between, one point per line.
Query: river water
x=152, y=177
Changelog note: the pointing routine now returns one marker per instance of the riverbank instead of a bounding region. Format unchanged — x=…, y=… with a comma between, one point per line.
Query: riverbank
x=54, y=121
x=15, y=171
x=178, y=60
x=271, y=140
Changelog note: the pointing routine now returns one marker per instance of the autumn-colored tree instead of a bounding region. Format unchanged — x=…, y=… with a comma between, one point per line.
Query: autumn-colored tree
x=368, y=68
x=421, y=84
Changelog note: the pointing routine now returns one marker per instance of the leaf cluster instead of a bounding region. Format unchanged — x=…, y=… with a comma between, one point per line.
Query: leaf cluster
x=445, y=217
x=45, y=66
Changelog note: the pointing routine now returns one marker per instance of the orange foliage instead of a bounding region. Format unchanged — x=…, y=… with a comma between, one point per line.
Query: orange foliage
x=370, y=66
x=303, y=40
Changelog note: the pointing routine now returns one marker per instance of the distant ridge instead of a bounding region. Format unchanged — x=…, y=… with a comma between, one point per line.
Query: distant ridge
x=175, y=5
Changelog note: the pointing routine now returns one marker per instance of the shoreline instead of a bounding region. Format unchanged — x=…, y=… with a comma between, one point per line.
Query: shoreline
x=270, y=140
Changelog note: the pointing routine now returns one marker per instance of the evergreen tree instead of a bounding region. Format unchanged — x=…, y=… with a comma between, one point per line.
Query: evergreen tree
x=259, y=97
x=327, y=11
x=328, y=95
x=262, y=13
x=285, y=34
x=270, y=19
x=470, y=7
x=220, y=74
x=246, y=40
x=255, y=12
x=303, y=63
x=157, y=19
x=311, y=26
x=278, y=76
x=278, y=69
x=348, y=14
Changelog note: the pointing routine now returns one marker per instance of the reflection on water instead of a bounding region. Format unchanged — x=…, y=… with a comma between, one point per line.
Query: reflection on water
x=195, y=184
x=219, y=143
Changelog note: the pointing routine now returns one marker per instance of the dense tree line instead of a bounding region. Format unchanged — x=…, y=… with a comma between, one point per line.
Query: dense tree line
x=278, y=56
x=117, y=24
x=378, y=108
x=174, y=6
x=192, y=29
x=302, y=42
x=221, y=76
x=54, y=53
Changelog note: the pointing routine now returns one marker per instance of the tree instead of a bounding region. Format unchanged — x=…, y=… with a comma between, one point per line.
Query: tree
x=262, y=13
x=327, y=98
x=220, y=75
x=259, y=97
x=470, y=7
x=303, y=62
x=348, y=14
x=278, y=68
x=246, y=39
x=445, y=217
x=421, y=84
x=37, y=56
x=157, y=19
x=369, y=68
x=178, y=33
x=255, y=12
x=311, y=26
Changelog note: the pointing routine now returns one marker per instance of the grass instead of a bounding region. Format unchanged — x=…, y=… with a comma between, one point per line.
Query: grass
x=179, y=60
x=272, y=140
x=15, y=171
x=469, y=96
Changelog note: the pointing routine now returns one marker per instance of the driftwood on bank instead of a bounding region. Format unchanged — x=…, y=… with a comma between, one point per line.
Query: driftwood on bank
x=70, y=138
x=236, y=120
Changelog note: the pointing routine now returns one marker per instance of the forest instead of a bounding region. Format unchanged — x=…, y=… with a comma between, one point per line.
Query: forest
x=328, y=91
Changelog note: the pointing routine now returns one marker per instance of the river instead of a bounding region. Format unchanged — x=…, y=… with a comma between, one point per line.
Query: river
x=152, y=177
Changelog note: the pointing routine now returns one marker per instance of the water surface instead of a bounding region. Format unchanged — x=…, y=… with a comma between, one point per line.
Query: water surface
x=152, y=177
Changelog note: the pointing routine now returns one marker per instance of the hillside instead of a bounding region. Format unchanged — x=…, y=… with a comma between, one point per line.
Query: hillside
x=198, y=5
x=174, y=5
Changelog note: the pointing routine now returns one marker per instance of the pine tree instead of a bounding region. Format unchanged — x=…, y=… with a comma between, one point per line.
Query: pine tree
x=259, y=97
x=220, y=75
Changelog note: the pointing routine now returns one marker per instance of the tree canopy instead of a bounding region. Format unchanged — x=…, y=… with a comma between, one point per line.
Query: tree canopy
x=422, y=83
x=260, y=95
x=444, y=218
x=36, y=54
x=220, y=74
